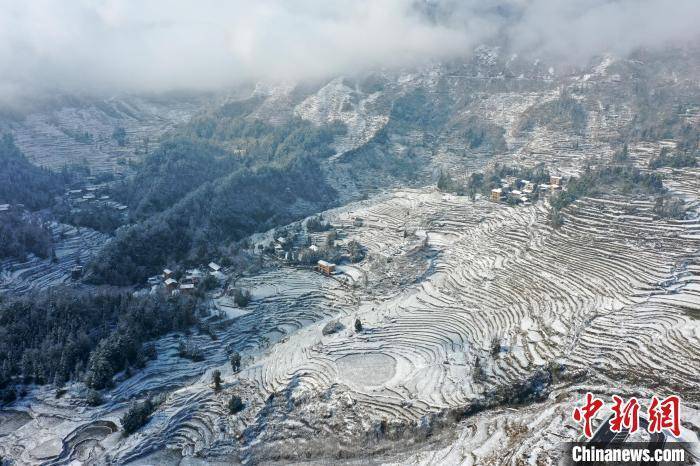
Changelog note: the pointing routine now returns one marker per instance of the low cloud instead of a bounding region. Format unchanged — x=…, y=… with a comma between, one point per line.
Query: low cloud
x=131, y=45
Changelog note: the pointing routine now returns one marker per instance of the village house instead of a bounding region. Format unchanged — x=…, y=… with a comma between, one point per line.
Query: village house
x=555, y=180
x=4, y=207
x=326, y=268
x=497, y=194
x=171, y=284
x=214, y=267
x=528, y=186
x=187, y=288
x=193, y=276
x=167, y=273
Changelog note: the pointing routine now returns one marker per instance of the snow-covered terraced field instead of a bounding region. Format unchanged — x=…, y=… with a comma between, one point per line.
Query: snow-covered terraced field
x=459, y=301
x=609, y=296
x=462, y=303
x=73, y=245
x=52, y=138
x=544, y=294
x=282, y=303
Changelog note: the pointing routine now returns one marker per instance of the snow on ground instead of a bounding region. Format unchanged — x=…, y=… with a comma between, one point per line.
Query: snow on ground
x=338, y=102
x=73, y=246
x=460, y=298
x=53, y=138
x=459, y=301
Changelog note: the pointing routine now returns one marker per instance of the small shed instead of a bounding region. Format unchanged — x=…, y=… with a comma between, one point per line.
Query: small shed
x=153, y=280
x=76, y=272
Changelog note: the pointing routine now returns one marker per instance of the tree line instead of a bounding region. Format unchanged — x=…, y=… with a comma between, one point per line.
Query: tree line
x=64, y=334
x=193, y=196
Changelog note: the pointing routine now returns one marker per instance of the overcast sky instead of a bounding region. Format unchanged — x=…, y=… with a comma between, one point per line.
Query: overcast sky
x=153, y=45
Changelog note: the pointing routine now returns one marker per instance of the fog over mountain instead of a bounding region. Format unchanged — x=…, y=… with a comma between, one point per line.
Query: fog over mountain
x=112, y=46
x=401, y=232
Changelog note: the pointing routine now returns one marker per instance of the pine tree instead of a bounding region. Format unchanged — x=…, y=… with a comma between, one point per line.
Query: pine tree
x=236, y=361
x=235, y=404
x=216, y=377
x=99, y=372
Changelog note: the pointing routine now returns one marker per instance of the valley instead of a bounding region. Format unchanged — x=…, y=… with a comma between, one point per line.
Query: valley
x=482, y=323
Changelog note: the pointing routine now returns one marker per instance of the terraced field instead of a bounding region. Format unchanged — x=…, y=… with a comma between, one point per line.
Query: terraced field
x=57, y=138
x=468, y=308
x=283, y=304
x=461, y=302
x=608, y=297
x=73, y=246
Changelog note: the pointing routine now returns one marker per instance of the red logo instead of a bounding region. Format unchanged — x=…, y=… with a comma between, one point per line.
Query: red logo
x=665, y=415
x=586, y=414
x=626, y=415
x=662, y=414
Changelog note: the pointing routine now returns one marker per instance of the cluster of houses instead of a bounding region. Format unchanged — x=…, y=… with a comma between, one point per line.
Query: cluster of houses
x=188, y=283
x=296, y=248
x=93, y=194
x=10, y=207
x=522, y=191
